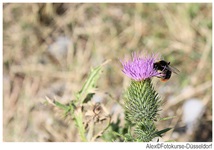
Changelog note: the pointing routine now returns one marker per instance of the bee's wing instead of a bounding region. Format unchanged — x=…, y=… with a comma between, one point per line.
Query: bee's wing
x=170, y=68
x=173, y=69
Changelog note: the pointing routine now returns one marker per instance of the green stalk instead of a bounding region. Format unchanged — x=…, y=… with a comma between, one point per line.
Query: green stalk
x=80, y=126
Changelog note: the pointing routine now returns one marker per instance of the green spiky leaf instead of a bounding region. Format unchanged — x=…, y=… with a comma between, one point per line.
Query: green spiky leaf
x=90, y=83
x=159, y=133
x=88, y=97
x=167, y=118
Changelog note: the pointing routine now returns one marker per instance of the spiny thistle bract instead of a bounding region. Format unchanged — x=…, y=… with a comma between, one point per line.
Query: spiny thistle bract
x=145, y=131
x=142, y=102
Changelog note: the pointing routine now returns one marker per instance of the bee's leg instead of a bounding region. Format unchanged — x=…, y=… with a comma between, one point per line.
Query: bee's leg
x=161, y=75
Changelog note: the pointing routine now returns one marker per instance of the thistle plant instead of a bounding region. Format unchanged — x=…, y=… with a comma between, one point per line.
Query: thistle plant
x=142, y=105
x=142, y=102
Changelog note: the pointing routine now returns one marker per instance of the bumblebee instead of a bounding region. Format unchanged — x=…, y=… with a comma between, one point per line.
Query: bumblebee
x=165, y=69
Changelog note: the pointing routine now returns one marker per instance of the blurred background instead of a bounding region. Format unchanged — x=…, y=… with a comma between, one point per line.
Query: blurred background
x=49, y=49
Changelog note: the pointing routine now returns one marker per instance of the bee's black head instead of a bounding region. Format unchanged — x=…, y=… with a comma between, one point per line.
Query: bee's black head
x=164, y=63
x=161, y=65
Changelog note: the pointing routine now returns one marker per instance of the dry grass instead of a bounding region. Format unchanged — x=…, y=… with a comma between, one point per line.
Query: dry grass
x=93, y=33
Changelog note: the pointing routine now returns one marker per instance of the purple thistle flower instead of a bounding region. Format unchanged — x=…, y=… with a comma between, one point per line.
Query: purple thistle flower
x=140, y=68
